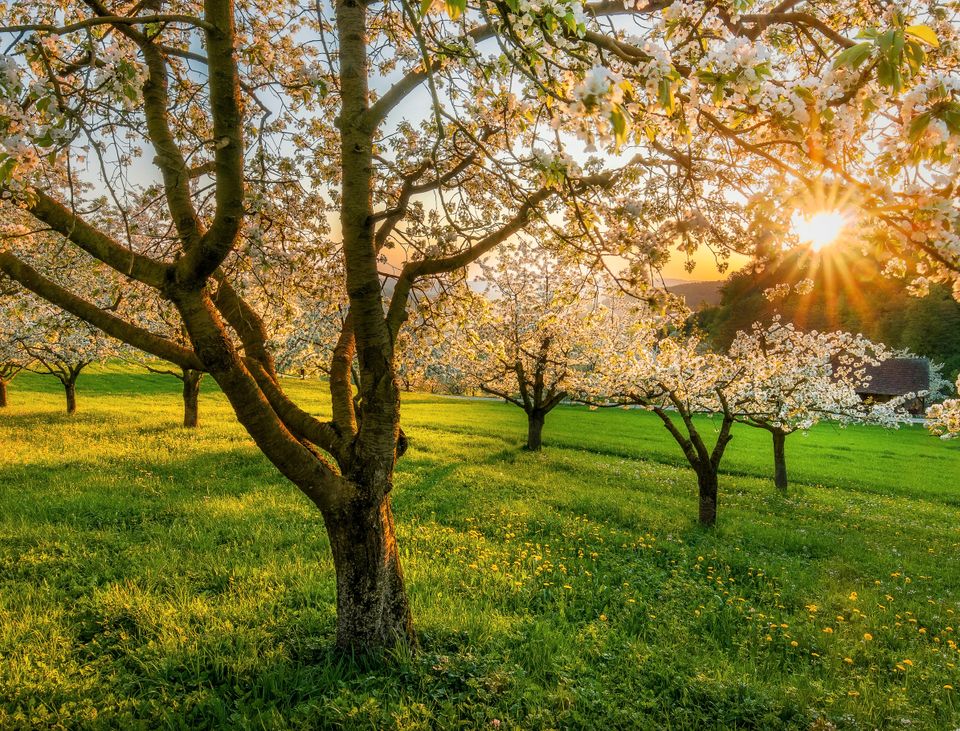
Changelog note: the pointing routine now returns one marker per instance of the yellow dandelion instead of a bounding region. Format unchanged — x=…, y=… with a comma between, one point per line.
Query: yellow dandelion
x=853, y=596
x=848, y=660
x=907, y=662
x=794, y=643
x=603, y=617
x=948, y=687
x=828, y=630
x=867, y=636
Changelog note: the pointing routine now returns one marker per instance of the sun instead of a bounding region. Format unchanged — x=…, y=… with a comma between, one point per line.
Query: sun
x=819, y=230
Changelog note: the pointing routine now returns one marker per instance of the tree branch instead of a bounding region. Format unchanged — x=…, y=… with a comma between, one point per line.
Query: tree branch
x=112, y=325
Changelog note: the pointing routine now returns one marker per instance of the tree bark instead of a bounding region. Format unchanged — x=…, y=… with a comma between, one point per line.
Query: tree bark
x=780, y=460
x=70, y=389
x=3, y=393
x=708, y=483
x=535, y=420
x=191, y=395
x=372, y=608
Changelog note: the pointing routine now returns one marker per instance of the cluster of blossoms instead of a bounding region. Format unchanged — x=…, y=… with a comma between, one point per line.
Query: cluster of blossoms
x=925, y=116
x=789, y=379
x=596, y=110
x=555, y=167
x=944, y=419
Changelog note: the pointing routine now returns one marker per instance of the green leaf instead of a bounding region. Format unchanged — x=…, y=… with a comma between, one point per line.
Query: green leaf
x=455, y=8
x=854, y=56
x=918, y=126
x=425, y=7
x=618, y=120
x=915, y=56
x=665, y=96
x=923, y=33
x=6, y=167
x=889, y=75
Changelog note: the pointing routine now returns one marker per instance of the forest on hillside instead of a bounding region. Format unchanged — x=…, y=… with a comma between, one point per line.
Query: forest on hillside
x=850, y=292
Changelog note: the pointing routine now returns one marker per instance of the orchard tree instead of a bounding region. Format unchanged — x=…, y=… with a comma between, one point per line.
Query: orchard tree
x=430, y=136
x=653, y=364
x=521, y=333
x=190, y=380
x=152, y=313
x=790, y=380
x=60, y=345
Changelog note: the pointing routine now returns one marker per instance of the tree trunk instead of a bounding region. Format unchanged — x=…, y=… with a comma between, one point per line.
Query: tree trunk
x=372, y=608
x=535, y=421
x=191, y=396
x=780, y=460
x=707, y=482
x=70, y=389
x=3, y=393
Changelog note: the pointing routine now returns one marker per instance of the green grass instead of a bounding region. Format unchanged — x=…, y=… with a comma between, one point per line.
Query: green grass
x=153, y=577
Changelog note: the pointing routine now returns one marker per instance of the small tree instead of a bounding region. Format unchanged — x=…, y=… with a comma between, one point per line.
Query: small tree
x=790, y=380
x=155, y=315
x=524, y=336
x=654, y=365
x=190, y=379
x=60, y=345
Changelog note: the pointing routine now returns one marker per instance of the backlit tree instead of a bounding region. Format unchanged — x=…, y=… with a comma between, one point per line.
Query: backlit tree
x=522, y=333
x=429, y=136
x=791, y=380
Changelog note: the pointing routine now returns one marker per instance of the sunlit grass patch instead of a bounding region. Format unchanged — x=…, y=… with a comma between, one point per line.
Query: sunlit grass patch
x=152, y=576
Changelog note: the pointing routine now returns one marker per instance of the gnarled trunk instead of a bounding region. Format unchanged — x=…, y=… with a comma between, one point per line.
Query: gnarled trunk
x=535, y=420
x=70, y=390
x=372, y=608
x=191, y=396
x=708, y=484
x=780, y=460
x=3, y=393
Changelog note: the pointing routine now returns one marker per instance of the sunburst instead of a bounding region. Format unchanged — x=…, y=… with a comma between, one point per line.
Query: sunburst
x=819, y=230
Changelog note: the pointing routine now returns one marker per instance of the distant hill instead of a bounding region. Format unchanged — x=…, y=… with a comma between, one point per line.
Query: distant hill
x=698, y=294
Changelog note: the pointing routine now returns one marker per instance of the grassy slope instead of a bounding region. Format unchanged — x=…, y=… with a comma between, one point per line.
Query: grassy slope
x=155, y=577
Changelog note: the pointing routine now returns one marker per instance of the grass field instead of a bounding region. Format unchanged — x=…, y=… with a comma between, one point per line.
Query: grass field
x=156, y=577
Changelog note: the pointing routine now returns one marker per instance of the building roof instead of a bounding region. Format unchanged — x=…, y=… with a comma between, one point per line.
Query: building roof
x=897, y=376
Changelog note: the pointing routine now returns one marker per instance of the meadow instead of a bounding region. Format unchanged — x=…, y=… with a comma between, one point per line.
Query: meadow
x=157, y=577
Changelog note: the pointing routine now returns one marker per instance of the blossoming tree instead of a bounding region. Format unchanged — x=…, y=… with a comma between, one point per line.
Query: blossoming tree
x=522, y=332
x=57, y=344
x=652, y=363
x=418, y=128
x=790, y=380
